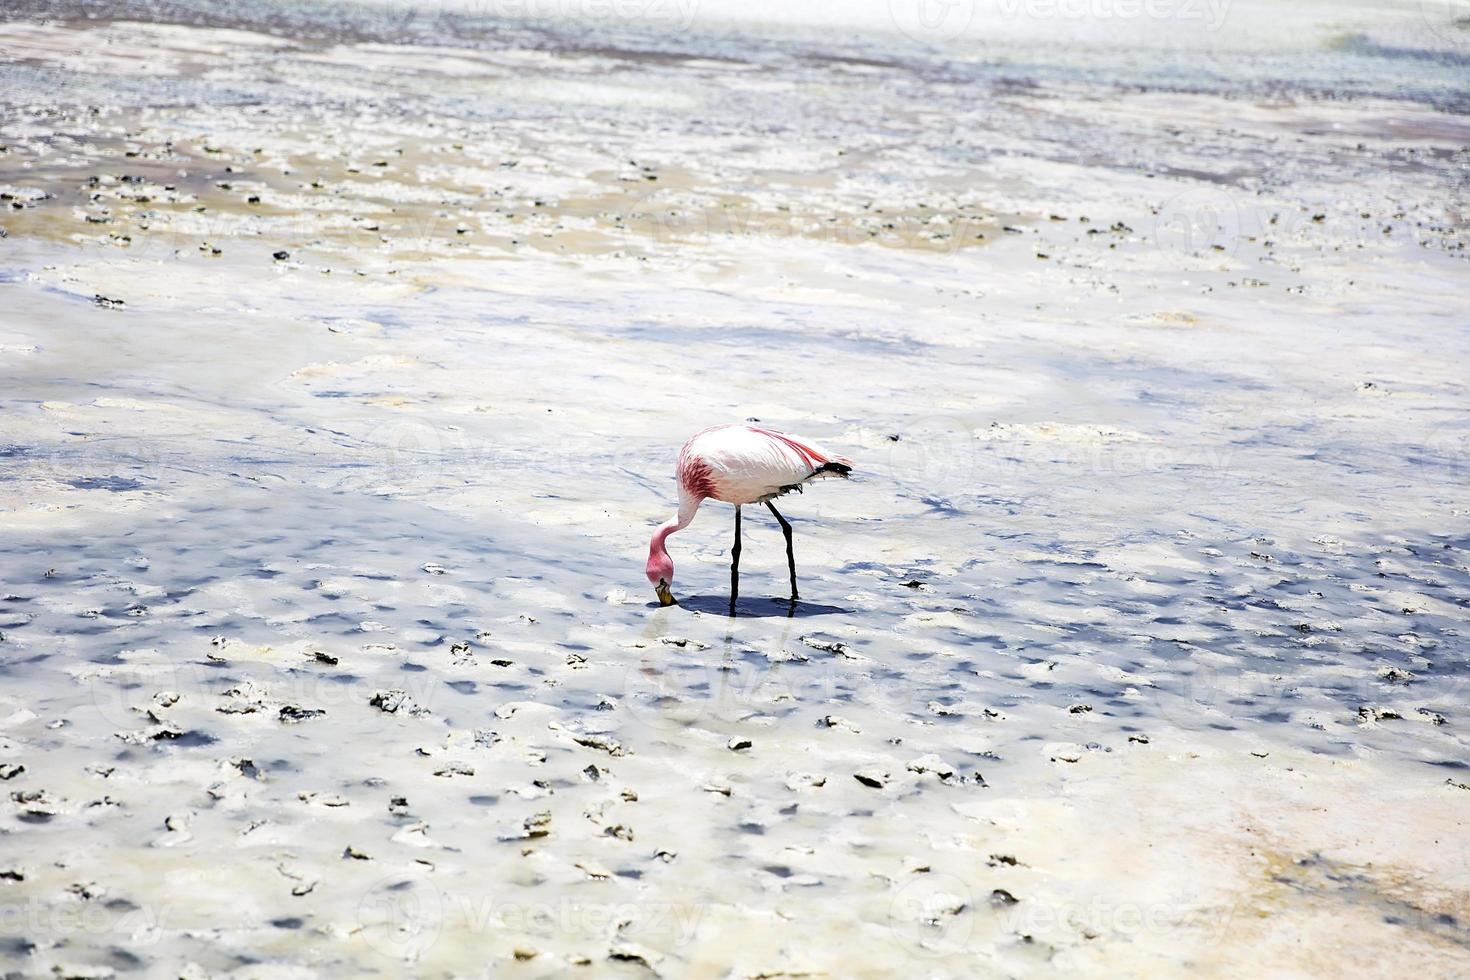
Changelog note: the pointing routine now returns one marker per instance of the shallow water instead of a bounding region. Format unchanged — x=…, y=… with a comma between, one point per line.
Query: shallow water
x=1135, y=646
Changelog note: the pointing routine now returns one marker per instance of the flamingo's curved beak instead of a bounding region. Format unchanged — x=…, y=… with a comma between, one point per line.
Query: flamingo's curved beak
x=665, y=595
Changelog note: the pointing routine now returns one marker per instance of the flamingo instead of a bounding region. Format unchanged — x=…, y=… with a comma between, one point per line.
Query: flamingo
x=738, y=464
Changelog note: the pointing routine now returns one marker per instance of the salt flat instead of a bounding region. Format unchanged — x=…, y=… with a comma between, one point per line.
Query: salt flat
x=344, y=355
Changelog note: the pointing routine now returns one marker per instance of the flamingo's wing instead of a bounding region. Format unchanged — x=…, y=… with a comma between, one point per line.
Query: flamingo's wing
x=744, y=464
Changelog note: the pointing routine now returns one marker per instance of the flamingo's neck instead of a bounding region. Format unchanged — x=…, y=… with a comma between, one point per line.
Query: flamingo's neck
x=659, y=536
x=688, y=506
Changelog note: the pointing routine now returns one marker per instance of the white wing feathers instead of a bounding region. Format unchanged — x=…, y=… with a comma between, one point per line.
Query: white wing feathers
x=749, y=464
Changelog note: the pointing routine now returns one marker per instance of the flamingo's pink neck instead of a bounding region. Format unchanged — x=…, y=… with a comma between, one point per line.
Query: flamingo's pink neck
x=656, y=546
x=660, y=565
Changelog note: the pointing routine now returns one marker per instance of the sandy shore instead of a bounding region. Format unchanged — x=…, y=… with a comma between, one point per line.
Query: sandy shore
x=342, y=371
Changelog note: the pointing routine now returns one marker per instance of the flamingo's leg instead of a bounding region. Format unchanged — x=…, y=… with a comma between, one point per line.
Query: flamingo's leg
x=790, y=554
x=735, y=563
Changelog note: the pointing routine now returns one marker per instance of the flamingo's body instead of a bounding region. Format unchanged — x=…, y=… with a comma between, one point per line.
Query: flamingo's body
x=738, y=464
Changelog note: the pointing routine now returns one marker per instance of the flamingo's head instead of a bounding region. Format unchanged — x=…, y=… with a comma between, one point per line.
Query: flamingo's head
x=661, y=575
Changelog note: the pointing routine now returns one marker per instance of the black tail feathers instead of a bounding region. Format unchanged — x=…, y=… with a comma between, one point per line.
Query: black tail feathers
x=835, y=469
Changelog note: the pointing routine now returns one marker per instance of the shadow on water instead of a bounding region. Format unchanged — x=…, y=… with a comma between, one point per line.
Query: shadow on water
x=761, y=607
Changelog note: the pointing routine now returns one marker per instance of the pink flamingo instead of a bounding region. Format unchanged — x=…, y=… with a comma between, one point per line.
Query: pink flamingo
x=739, y=464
